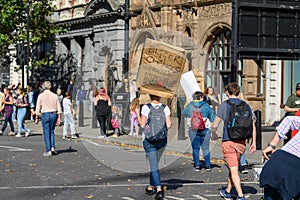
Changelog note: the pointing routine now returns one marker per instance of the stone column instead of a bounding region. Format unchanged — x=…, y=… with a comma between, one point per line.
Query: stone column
x=88, y=61
x=76, y=55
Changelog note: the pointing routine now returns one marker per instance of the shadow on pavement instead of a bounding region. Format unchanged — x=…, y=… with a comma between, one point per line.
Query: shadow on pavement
x=173, y=184
x=70, y=150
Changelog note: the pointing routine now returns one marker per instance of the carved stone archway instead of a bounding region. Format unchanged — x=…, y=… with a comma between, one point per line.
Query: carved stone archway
x=95, y=6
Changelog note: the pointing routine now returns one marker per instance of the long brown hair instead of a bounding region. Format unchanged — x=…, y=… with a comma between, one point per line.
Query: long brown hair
x=134, y=104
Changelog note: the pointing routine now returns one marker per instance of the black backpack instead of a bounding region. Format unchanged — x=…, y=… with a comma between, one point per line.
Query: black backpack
x=240, y=122
x=156, y=128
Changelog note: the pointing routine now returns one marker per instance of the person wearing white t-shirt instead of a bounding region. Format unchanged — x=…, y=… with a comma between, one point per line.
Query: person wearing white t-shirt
x=154, y=149
x=68, y=117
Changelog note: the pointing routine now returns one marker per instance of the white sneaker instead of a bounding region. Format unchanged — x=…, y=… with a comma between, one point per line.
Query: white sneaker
x=12, y=134
x=64, y=137
x=74, y=137
x=18, y=135
x=27, y=133
x=46, y=154
x=0, y=132
x=53, y=152
x=101, y=136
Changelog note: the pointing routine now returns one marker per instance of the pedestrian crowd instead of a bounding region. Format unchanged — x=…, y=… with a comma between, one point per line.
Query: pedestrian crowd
x=204, y=114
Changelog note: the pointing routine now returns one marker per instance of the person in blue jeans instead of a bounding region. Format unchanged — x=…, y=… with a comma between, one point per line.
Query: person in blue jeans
x=21, y=104
x=200, y=138
x=154, y=149
x=49, y=107
x=7, y=108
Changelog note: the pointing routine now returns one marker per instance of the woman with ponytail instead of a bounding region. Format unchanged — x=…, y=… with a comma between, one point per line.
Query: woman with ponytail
x=102, y=105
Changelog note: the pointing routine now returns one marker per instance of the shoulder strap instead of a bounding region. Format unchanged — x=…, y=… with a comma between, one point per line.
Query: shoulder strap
x=200, y=107
x=243, y=103
x=229, y=102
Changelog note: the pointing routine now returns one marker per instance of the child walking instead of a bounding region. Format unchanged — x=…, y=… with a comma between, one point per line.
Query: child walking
x=68, y=117
x=134, y=110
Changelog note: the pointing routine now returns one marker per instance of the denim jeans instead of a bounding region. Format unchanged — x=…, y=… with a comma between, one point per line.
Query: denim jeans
x=200, y=140
x=20, y=118
x=154, y=151
x=11, y=124
x=68, y=119
x=13, y=116
x=48, y=122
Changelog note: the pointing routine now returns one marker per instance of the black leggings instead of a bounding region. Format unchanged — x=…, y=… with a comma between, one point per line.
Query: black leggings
x=102, y=121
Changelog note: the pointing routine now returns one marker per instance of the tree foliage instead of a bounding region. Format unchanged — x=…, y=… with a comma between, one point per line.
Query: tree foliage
x=13, y=21
x=13, y=25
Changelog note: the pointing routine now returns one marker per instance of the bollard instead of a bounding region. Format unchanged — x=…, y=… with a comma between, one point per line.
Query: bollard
x=258, y=129
x=94, y=118
x=81, y=114
x=181, y=121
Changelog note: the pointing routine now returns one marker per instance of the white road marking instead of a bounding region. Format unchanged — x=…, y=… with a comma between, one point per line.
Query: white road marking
x=106, y=186
x=176, y=198
x=128, y=198
x=199, y=197
x=101, y=145
x=15, y=148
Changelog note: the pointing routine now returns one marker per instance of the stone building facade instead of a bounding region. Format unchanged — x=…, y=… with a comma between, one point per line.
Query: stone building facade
x=94, y=47
x=203, y=29
x=95, y=40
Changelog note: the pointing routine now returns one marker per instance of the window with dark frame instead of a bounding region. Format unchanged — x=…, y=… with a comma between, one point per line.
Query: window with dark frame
x=218, y=66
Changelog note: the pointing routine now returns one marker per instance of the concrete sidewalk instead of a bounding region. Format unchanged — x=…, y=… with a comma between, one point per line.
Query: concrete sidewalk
x=174, y=144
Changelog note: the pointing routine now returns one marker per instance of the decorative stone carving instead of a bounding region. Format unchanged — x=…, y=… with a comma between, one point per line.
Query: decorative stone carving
x=158, y=17
x=215, y=10
x=144, y=21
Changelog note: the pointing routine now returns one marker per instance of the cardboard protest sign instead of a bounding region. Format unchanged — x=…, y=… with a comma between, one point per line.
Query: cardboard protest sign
x=161, y=63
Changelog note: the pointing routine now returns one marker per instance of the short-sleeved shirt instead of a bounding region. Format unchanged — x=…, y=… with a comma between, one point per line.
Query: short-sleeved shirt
x=21, y=100
x=146, y=110
x=67, y=106
x=293, y=102
x=223, y=113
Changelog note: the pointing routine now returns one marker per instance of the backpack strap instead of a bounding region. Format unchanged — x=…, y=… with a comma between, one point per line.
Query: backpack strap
x=229, y=102
x=232, y=104
x=200, y=107
x=150, y=105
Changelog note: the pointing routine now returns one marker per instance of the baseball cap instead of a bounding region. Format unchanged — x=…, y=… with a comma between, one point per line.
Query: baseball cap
x=298, y=86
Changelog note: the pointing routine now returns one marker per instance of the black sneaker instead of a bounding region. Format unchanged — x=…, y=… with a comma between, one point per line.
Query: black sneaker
x=244, y=169
x=150, y=192
x=159, y=195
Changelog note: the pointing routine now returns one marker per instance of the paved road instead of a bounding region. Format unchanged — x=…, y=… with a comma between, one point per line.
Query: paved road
x=93, y=169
